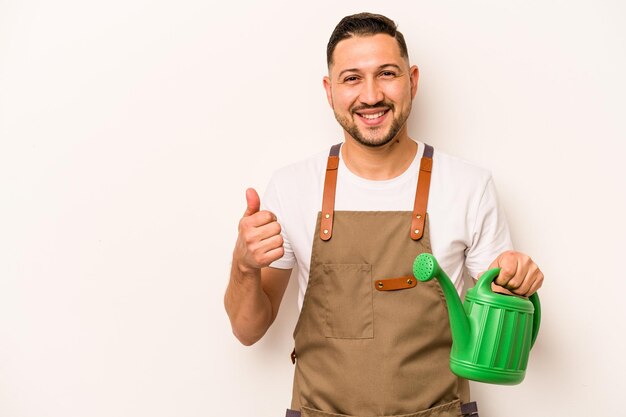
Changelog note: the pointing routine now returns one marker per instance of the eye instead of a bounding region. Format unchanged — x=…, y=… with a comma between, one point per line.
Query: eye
x=350, y=79
x=387, y=74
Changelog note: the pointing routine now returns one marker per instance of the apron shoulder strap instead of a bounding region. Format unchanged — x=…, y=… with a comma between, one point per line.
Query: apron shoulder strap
x=421, y=194
x=328, y=199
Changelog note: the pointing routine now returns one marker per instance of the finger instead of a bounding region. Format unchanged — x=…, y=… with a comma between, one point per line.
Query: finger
x=258, y=219
x=265, y=231
x=274, y=255
x=536, y=285
x=272, y=243
x=509, y=266
x=521, y=286
x=520, y=283
x=268, y=250
x=533, y=276
x=253, y=202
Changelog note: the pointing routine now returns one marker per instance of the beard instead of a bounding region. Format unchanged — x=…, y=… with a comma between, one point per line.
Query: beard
x=374, y=137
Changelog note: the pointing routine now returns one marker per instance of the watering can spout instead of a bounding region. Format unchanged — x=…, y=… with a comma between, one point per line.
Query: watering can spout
x=426, y=268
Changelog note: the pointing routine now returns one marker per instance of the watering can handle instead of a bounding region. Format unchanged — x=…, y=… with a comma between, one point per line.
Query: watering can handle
x=484, y=282
x=536, y=317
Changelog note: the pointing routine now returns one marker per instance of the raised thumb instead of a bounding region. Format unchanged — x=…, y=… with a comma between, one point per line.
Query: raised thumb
x=253, y=201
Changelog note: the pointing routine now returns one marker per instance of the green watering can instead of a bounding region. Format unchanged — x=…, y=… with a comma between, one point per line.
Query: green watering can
x=492, y=333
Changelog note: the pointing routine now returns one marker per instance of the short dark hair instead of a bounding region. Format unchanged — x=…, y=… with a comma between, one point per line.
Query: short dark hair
x=364, y=24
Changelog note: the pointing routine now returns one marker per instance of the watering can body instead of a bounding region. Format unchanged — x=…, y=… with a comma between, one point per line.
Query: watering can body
x=492, y=333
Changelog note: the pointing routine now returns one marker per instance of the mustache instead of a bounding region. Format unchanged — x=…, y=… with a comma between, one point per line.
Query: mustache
x=380, y=104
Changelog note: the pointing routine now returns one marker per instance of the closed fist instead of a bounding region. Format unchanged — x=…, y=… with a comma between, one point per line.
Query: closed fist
x=518, y=273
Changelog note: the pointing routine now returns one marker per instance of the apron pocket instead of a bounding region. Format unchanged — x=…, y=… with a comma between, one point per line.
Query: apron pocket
x=349, y=301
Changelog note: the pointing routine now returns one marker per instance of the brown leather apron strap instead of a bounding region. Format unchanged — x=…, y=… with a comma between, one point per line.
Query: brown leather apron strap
x=328, y=199
x=421, y=195
x=393, y=284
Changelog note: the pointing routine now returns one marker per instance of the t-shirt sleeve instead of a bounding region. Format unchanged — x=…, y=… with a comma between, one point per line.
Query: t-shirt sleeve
x=272, y=201
x=490, y=236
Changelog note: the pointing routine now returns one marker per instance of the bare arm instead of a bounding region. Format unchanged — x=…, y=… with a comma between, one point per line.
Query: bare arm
x=255, y=290
x=252, y=301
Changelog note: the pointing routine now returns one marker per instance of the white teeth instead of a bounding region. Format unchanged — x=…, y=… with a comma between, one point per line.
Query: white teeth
x=373, y=116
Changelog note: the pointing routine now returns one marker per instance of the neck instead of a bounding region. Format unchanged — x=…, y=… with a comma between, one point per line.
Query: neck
x=382, y=162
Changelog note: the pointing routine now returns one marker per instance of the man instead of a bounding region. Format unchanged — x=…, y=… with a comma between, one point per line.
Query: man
x=362, y=350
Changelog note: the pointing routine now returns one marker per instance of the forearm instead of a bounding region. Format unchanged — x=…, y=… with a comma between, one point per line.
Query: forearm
x=247, y=305
x=254, y=292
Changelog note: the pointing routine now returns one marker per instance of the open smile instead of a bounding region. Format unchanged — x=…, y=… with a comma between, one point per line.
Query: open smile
x=372, y=118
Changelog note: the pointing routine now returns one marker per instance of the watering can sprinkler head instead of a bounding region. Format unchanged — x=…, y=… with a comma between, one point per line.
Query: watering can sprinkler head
x=426, y=267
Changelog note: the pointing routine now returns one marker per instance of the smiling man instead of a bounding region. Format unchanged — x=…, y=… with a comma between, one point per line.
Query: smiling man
x=369, y=340
x=371, y=88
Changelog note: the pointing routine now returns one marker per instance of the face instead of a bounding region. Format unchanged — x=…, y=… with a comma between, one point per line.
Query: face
x=370, y=88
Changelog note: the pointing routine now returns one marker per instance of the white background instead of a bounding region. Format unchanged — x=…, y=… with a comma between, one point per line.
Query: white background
x=129, y=131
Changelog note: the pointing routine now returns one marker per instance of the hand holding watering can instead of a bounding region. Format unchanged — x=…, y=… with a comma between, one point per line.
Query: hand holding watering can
x=518, y=273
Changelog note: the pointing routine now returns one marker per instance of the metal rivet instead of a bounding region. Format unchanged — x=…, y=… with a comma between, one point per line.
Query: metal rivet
x=380, y=285
x=417, y=231
x=409, y=281
x=327, y=216
x=419, y=216
x=325, y=231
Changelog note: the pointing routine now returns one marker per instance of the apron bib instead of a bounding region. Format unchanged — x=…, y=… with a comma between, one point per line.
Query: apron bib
x=370, y=341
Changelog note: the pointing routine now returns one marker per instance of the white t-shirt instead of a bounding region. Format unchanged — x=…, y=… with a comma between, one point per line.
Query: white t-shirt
x=467, y=226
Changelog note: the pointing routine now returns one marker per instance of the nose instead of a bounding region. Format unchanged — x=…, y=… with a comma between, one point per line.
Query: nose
x=371, y=93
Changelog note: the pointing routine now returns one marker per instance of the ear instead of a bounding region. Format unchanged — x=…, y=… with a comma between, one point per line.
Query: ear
x=414, y=73
x=329, y=90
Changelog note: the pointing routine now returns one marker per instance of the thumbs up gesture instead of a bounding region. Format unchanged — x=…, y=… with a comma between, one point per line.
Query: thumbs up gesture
x=259, y=242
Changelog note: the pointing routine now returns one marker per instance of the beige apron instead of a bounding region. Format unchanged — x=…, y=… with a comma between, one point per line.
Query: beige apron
x=370, y=341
